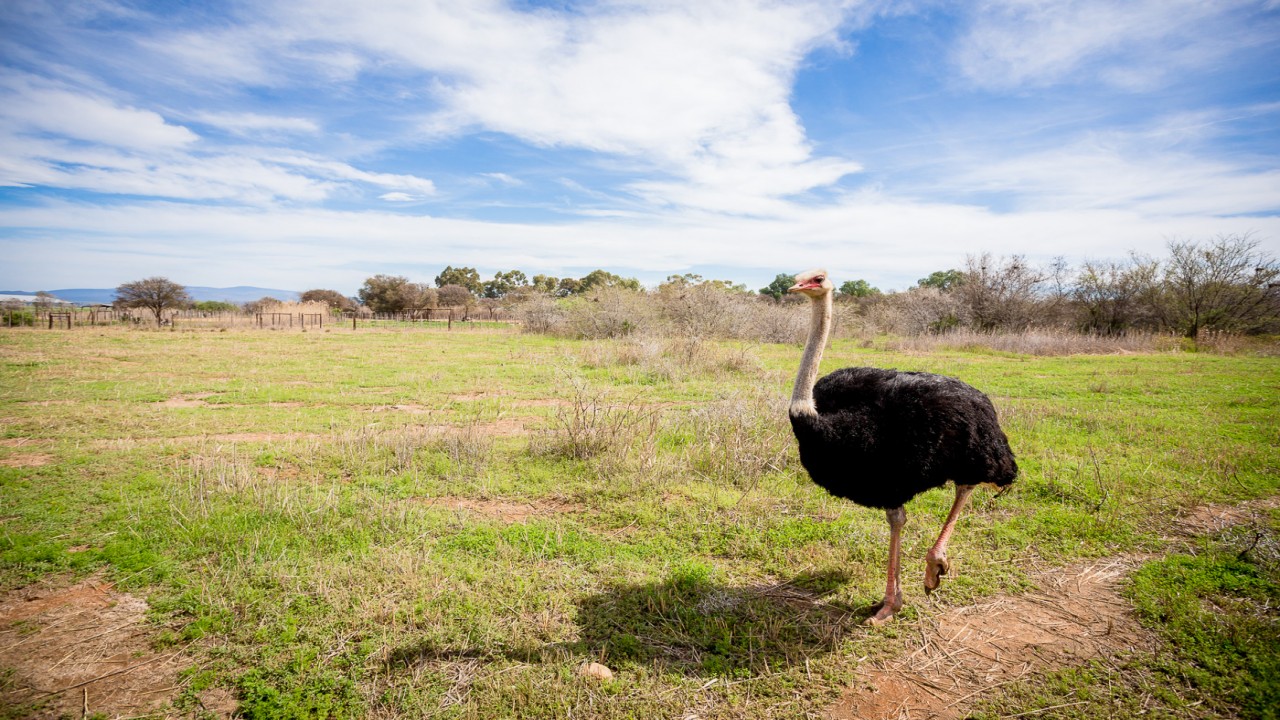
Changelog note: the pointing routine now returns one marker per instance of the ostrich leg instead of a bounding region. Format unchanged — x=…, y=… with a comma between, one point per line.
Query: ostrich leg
x=892, y=602
x=936, y=561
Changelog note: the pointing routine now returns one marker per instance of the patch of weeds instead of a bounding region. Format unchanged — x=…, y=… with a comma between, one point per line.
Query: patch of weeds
x=1221, y=617
x=272, y=696
x=739, y=439
x=1217, y=615
x=589, y=426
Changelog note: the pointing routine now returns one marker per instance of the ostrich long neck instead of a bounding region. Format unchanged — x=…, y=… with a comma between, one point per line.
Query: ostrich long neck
x=819, y=329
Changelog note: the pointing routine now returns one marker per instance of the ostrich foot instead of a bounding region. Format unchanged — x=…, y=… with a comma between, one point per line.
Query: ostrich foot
x=885, y=610
x=936, y=567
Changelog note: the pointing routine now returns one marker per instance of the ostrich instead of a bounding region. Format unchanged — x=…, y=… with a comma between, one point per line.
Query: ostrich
x=881, y=437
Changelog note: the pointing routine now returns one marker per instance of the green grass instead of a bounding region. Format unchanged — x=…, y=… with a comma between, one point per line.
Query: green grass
x=324, y=526
x=1214, y=609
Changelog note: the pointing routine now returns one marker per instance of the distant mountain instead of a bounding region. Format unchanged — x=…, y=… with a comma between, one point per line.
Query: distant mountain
x=104, y=296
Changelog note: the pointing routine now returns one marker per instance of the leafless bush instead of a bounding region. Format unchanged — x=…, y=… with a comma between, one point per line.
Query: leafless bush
x=469, y=447
x=1113, y=296
x=771, y=322
x=608, y=312
x=590, y=426
x=1001, y=294
x=918, y=311
x=541, y=314
x=1036, y=342
x=740, y=438
x=702, y=310
x=672, y=358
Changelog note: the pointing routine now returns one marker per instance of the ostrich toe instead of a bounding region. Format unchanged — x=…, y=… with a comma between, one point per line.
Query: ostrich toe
x=885, y=610
x=936, y=567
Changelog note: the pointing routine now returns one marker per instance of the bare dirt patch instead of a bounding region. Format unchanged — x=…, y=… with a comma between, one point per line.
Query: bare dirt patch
x=404, y=407
x=26, y=460
x=477, y=395
x=504, y=510
x=1077, y=614
x=246, y=437
x=541, y=402
x=1212, y=519
x=21, y=442
x=84, y=646
x=187, y=401
x=963, y=653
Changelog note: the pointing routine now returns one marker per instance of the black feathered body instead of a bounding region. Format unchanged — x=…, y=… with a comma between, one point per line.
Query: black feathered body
x=881, y=437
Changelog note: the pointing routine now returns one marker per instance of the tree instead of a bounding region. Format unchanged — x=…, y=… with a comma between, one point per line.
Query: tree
x=567, y=287
x=858, y=289
x=383, y=293
x=1225, y=284
x=546, y=284
x=1000, y=295
x=156, y=294
x=44, y=300
x=778, y=287
x=602, y=278
x=455, y=296
x=1112, y=296
x=463, y=276
x=943, y=280
x=216, y=306
x=417, y=296
x=262, y=304
x=504, y=283
x=334, y=299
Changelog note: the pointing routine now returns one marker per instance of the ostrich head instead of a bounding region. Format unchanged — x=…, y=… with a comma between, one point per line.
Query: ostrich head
x=813, y=283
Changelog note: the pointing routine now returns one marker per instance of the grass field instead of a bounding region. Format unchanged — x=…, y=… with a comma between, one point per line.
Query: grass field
x=417, y=523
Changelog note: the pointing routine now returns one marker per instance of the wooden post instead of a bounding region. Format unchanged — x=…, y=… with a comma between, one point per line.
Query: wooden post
x=451, y=319
x=353, y=321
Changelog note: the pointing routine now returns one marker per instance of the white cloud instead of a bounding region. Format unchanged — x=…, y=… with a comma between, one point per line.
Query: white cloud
x=888, y=241
x=1161, y=169
x=342, y=171
x=1137, y=44
x=31, y=106
x=503, y=178
x=697, y=91
x=55, y=135
x=397, y=197
x=247, y=123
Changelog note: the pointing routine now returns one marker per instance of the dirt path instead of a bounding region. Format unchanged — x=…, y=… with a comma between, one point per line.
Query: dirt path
x=963, y=653
x=86, y=649
x=1077, y=614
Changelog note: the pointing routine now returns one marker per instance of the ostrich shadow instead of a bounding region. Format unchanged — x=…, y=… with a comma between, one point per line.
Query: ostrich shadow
x=690, y=625
x=685, y=624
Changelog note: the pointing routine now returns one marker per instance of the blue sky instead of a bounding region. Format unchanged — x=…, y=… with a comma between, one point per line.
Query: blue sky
x=315, y=143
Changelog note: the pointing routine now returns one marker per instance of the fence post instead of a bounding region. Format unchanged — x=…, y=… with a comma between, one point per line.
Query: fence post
x=353, y=321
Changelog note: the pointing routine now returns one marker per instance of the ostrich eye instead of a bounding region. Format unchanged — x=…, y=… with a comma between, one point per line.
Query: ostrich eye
x=819, y=279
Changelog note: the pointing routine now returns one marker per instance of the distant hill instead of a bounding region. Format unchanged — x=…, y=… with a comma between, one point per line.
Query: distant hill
x=238, y=294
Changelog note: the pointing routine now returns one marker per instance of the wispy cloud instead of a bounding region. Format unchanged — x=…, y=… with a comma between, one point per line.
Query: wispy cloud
x=250, y=124
x=1138, y=44
x=31, y=106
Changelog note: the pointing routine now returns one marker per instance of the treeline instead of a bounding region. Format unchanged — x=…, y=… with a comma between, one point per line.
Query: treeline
x=1227, y=284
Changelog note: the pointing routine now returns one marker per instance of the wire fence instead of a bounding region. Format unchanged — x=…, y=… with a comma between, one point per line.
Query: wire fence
x=424, y=318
